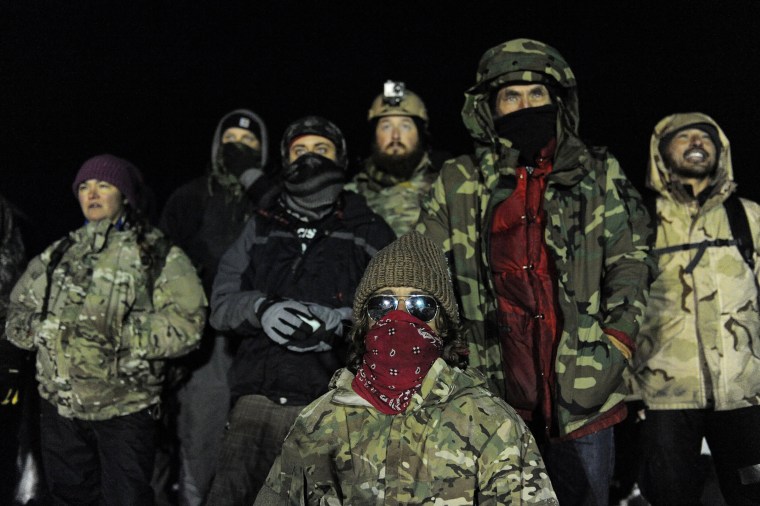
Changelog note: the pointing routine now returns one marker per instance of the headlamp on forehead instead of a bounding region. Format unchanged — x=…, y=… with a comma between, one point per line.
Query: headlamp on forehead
x=393, y=92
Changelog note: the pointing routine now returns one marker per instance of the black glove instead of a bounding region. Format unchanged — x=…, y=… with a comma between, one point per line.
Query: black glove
x=331, y=320
x=286, y=320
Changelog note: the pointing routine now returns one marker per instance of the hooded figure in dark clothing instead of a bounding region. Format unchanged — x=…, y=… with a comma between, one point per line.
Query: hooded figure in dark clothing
x=285, y=288
x=203, y=217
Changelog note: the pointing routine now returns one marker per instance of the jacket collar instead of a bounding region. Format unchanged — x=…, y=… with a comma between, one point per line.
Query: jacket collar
x=441, y=384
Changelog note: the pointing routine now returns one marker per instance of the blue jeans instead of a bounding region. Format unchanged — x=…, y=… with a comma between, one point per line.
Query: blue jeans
x=581, y=469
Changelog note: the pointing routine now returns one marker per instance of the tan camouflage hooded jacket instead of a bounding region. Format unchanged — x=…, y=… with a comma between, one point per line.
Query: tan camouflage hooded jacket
x=100, y=350
x=456, y=444
x=700, y=337
x=597, y=231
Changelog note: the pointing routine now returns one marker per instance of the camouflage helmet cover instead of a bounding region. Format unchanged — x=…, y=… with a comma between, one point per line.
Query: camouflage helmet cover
x=522, y=60
x=410, y=105
x=519, y=60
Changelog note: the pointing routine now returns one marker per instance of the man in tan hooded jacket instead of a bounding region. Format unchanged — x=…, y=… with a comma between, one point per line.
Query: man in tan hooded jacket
x=698, y=352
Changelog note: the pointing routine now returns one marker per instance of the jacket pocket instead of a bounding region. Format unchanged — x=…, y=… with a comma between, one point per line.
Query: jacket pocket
x=595, y=373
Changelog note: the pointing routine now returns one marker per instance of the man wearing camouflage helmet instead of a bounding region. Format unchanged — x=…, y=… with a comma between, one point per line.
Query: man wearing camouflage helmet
x=400, y=169
x=698, y=358
x=548, y=240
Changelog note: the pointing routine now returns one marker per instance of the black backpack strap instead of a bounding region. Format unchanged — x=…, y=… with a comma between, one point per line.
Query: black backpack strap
x=55, y=258
x=737, y=220
x=740, y=231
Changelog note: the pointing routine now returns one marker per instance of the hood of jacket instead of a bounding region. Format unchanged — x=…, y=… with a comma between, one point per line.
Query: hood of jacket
x=218, y=171
x=520, y=60
x=660, y=178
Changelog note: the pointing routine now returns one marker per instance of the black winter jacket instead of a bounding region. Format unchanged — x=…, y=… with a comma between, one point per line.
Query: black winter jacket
x=274, y=257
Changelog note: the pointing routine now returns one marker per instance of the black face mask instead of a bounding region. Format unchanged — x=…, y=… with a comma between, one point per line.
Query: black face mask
x=237, y=157
x=312, y=185
x=529, y=130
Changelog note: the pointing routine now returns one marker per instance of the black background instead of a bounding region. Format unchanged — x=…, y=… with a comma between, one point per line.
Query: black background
x=148, y=81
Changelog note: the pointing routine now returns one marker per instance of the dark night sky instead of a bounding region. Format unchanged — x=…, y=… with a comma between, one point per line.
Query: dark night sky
x=149, y=80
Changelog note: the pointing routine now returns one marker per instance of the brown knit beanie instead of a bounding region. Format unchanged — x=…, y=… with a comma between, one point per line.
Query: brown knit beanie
x=412, y=260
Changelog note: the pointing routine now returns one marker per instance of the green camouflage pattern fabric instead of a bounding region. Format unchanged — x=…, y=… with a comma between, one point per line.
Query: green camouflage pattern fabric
x=397, y=200
x=455, y=444
x=101, y=348
x=700, y=336
x=597, y=231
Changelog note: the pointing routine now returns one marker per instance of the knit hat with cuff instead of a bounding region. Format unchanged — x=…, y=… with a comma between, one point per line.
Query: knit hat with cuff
x=412, y=260
x=111, y=169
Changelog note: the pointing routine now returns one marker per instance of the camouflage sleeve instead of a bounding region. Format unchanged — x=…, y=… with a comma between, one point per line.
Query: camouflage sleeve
x=629, y=268
x=173, y=325
x=232, y=306
x=286, y=479
x=25, y=304
x=434, y=219
x=512, y=470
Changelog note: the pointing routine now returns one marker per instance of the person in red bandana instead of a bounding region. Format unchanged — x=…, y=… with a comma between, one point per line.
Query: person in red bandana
x=406, y=422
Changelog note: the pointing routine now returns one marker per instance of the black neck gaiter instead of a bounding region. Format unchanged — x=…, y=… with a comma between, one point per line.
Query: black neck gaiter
x=529, y=130
x=237, y=157
x=312, y=185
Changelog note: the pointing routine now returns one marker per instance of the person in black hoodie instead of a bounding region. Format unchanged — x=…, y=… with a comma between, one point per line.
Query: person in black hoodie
x=286, y=287
x=203, y=217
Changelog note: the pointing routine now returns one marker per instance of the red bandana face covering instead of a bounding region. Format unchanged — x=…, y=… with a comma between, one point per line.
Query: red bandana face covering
x=400, y=351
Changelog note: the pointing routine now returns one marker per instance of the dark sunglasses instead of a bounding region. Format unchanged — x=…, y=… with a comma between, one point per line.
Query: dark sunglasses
x=423, y=307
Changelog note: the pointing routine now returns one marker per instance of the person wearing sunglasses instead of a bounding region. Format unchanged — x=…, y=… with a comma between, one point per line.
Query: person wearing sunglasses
x=405, y=422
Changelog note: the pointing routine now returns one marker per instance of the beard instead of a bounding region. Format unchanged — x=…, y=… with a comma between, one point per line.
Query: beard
x=401, y=166
x=685, y=169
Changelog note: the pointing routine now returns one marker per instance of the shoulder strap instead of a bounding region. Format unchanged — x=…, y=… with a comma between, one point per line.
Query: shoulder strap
x=740, y=232
x=55, y=258
x=737, y=220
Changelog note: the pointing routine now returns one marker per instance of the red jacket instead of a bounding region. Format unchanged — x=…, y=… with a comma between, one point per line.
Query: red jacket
x=525, y=284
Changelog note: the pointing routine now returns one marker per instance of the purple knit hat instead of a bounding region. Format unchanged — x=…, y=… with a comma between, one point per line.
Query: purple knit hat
x=111, y=169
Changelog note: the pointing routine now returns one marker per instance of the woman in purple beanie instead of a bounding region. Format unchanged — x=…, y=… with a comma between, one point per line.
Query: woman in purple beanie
x=104, y=308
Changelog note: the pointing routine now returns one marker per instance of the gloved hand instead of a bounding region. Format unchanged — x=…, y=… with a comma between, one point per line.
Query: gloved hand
x=331, y=327
x=285, y=320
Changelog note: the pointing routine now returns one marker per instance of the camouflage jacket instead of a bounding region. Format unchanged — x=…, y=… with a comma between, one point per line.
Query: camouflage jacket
x=700, y=337
x=396, y=200
x=100, y=349
x=455, y=444
x=597, y=232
